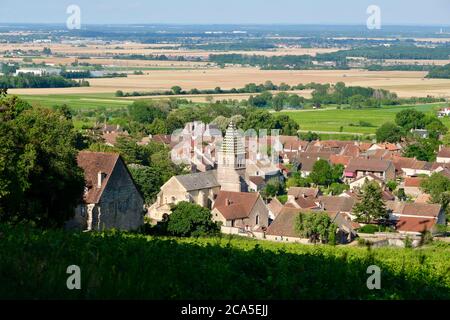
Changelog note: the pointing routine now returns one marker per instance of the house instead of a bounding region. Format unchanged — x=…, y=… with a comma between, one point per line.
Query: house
x=337, y=204
x=410, y=167
x=199, y=188
x=256, y=183
x=417, y=218
x=412, y=186
x=346, y=227
x=360, y=182
x=443, y=155
x=306, y=161
x=303, y=198
x=111, y=198
x=274, y=207
x=361, y=167
x=445, y=112
x=282, y=228
x=241, y=210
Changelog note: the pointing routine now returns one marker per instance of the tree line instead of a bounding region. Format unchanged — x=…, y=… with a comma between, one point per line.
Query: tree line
x=33, y=81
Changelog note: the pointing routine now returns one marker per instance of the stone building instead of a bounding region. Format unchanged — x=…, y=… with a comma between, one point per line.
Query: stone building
x=203, y=188
x=111, y=198
x=241, y=210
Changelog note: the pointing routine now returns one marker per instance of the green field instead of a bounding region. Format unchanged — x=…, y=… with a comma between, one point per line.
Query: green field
x=78, y=101
x=329, y=122
x=125, y=266
x=332, y=120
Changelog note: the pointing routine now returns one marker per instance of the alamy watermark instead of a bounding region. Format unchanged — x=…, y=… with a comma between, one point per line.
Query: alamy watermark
x=374, y=281
x=374, y=19
x=73, y=22
x=74, y=280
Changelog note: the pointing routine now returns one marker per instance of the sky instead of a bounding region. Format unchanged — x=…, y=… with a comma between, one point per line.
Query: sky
x=393, y=12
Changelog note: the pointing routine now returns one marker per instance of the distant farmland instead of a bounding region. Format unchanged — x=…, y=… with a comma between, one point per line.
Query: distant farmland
x=349, y=119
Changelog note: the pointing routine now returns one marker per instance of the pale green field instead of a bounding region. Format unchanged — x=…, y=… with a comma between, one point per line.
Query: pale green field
x=340, y=120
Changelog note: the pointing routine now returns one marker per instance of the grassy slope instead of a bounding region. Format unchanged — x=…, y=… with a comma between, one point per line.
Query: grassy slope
x=332, y=120
x=115, y=265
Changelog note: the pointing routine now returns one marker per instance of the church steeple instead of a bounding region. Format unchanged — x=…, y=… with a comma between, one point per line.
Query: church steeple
x=232, y=153
x=231, y=161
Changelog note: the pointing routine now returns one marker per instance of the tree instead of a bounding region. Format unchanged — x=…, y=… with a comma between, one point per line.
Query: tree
x=336, y=189
x=392, y=185
x=119, y=93
x=279, y=100
x=40, y=181
x=148, y=180
x=272, y=189
x=389, y=132
x=158, y=126
x=145, y=112
x=317, y=227
x=177, y=90
x=371, y=207
x=296, y=180
x=324, y=174
x=438, y=186
x=310, y=136
x=410, y=119
x=191, y=220
x=423, y=150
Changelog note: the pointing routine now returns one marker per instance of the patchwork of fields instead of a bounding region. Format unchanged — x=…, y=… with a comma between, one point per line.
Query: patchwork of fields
x=347, y=120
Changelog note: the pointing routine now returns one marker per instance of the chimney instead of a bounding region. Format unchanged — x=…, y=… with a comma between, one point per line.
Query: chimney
x=227, y=202
x=100, y=178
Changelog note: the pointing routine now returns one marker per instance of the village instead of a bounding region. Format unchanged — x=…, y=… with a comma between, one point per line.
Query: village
x=230, y=174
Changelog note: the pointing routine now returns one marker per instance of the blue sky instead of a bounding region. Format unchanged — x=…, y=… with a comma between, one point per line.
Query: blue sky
x=397, y=12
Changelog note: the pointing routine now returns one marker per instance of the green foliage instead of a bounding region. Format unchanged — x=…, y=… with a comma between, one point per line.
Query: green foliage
x=390, y=132
x=392, y=185
x=33, y=81
x=309, y=136
x=410, y=119
x=324, y=174
x=296, y=180
x=273, y=188
x=440, y=72
x=189, y=219
x=369, y=229
x=121, y=266
x=336, y=189
x=317, y=227
x=145, y=112
x=438, y=186
x=40, y=181
x=371, y=207
x=422, y=149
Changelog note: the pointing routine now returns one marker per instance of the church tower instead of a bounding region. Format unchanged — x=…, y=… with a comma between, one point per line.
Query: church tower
x=232, y=161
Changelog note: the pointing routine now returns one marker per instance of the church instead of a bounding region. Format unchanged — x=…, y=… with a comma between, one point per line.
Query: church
x=231, y=178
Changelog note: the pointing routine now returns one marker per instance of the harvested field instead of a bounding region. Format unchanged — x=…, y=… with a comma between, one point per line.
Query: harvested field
x=404, y=83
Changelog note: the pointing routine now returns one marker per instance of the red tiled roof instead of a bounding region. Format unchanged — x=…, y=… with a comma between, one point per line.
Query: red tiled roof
x=422, y=209
x=92, y=163
x=257, y=180
x=413, y=182
x=235, y=205
x=362, y=164
x=275, y=206
x=284, y=224
x=444, y=153
x=300, y=192
x=419, y=225
x=339, y=159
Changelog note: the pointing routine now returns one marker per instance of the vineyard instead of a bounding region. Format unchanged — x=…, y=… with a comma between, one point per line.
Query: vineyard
x=115, y=265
